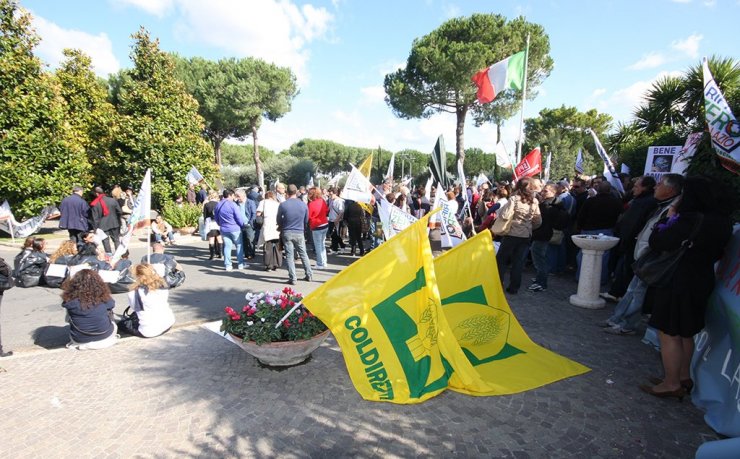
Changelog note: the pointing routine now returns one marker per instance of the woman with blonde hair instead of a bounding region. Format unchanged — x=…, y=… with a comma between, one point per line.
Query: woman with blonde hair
x=89, y=306
x=149, y=300
x=62, y=256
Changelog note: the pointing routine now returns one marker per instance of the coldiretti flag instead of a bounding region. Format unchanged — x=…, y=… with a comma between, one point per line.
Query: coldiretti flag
x=385, y=313
x=505, y=74
x=486, y=329
x=366, y=166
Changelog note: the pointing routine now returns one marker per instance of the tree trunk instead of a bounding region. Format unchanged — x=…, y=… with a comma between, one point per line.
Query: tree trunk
x=460, y=112
x=257, y=161
x=217, y=151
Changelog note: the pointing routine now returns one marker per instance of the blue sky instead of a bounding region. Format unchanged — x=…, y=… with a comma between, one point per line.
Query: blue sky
x=606, y=53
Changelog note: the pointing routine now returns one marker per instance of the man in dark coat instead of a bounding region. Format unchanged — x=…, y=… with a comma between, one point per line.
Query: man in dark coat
x=74, y=212
x=629, y=225
x=105, y=215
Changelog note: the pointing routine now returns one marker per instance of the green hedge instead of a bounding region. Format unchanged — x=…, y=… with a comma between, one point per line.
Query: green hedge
x=181, y=216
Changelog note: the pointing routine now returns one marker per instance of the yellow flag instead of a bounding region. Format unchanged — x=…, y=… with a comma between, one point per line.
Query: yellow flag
x=367, y=166
x=385, y=313
x=487, y=330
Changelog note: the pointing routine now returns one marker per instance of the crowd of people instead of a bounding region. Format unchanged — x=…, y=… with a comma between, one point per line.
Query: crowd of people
x=529, y=220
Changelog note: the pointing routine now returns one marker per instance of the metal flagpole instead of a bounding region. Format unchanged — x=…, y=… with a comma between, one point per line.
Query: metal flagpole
x=524, y=96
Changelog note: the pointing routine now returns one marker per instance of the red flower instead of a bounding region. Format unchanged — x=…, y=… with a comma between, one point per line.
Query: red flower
x=286, y=323
x=236, y=317
x=250, y=311
x=229, y=310
x=245, y=308
x=300, y=320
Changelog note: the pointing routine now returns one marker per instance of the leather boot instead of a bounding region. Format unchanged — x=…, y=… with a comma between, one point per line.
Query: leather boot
x=218, y=249
x=211, y=250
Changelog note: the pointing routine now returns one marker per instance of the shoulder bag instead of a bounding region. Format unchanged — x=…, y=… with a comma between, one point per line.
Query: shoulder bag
x=656, y=269
x=502, y=224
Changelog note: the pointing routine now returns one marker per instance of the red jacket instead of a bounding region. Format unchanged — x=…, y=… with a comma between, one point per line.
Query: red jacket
x=317, y=213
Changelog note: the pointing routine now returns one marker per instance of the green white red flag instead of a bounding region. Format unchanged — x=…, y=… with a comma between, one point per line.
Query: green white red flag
x=505, y=74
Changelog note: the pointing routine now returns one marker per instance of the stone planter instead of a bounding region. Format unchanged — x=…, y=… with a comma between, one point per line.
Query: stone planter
x=185, y=231
x=283, y=353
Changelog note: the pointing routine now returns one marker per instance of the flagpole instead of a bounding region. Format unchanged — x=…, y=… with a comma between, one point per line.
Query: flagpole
x=524, y=95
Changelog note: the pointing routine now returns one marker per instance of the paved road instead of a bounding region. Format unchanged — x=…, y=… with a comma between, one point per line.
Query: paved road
x=192, y=393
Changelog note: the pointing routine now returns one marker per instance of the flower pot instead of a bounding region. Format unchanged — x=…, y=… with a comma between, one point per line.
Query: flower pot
x=185, y=230
x=282, y=353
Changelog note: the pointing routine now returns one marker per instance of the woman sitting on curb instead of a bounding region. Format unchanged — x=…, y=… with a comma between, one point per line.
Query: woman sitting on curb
x=89, y=306
x=149, y=300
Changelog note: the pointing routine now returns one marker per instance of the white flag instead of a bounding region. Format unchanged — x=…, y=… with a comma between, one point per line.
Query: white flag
x=141, y=213
x=310, y=183
x=481, y=180
x=461, y=174
x=334, y=180
x=358, y=187
x=609, y=171
x=681, y=162
x=502, y=157
x=439, y=196
x=547, y=167
x=721, y=122
x=428, y=188
x=624, y=169
x=194, y=176
x=391, y=165
x=450, y=231
x=579, y=161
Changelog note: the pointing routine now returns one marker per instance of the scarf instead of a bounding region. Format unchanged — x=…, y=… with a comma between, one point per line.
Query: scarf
x=100, y=200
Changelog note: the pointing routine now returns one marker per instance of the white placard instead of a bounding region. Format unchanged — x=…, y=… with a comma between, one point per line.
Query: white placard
x=660, y=160
x=77, y=268
x=159, y=268
x=56, y=270
x=109, y=276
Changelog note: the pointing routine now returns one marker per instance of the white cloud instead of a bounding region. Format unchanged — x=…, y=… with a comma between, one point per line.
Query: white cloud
x=688, y=46
x=390, y=67
x=451, y=11
x=156, y=7
x=276, y=31
x=598, y=92
x=649, y=61
x=55, y=39
x=373, y=94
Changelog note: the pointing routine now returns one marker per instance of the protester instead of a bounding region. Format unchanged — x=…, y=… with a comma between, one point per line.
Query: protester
x=105, y=215
x=248, y=207
x=554, y=217
x=629, y=225
x=599, y=215
x=149, y=300
x=270, y=235
x=74, y=211
x=255, y=197
x=230, y=220
x=627, y=315
x=318, y=220
x=89, y=255
x=125, y=277
x=292, y=218
x=280, y=192
x=190, y=196
x=353, y=216
x=89, y=306
x=30, y=263
x=212, y=228
x=525, y=216
x=162, y=231
x=62, y=256
x=172, y=272
x=202, y=195
x=678, y=308
x=129, y=201
x=336, y=219
x=5, y=272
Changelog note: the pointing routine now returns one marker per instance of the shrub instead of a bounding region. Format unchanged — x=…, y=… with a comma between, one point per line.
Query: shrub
x=181, y=216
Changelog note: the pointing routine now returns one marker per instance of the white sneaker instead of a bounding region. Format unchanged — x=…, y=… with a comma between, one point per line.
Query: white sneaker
x=241, y=266
x=229, y=268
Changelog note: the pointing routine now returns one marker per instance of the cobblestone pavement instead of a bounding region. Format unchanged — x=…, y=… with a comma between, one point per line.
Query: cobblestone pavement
x=191, y=393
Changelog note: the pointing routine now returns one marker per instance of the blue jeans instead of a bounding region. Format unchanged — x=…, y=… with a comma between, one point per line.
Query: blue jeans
x=539, y=258
x=233, y=240
x=319, y=237
x=604, y=256
x=294, y=241
x=627, y=312
x=512, y=249
x=247, y=237
x=158, y=237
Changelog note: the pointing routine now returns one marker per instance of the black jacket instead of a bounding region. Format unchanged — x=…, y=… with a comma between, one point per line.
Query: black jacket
x=30, y=266
x=554, y=216
x=106, y=222
x=633, y=220
x=55, y=281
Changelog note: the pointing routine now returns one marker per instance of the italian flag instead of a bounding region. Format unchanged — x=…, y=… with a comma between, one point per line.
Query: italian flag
x=505, y=74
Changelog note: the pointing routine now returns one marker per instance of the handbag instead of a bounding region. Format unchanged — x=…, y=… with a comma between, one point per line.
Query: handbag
x=502, y=225
x=259, y=220
x=129, y=322
x=656, y=269
x=557, y=237
x=6, y=282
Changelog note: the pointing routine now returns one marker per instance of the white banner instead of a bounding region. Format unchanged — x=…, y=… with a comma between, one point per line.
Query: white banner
x=610, y=172
x=450, y=230
x=579, y=161
x=682, y=160
x=394, y=219
x=721, y=122
x=194, y=176
x=10, y=225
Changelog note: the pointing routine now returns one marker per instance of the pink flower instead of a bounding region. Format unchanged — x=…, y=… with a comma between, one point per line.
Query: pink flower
x=245, y=308
x=229, y=310
x=236, y=317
